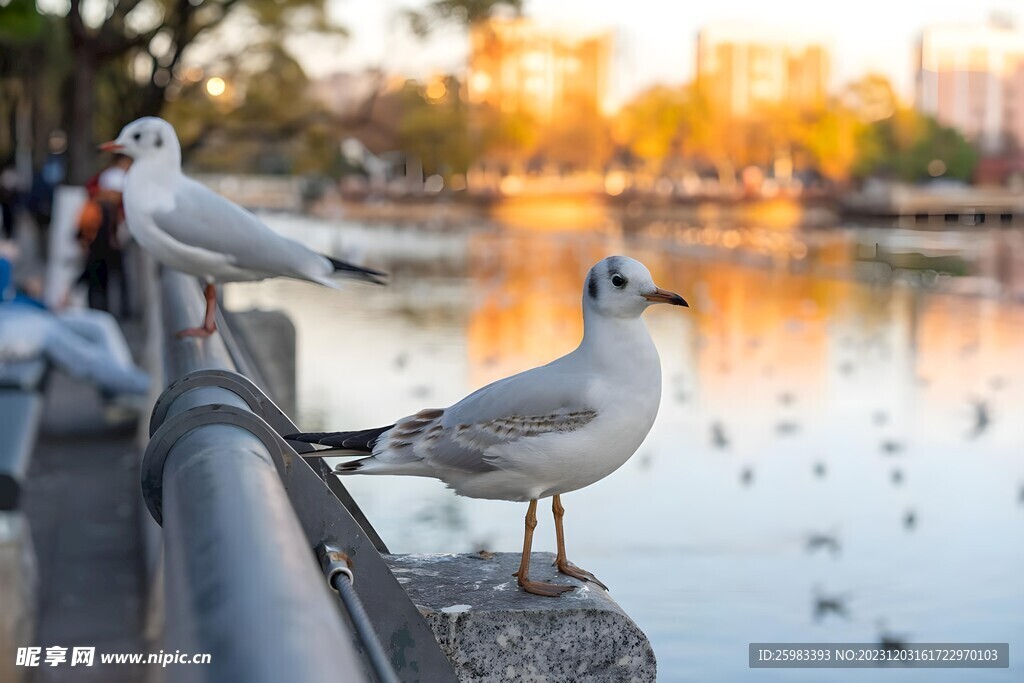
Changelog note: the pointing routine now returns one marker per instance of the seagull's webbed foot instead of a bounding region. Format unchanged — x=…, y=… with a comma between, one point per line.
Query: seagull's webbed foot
x=548, y=590
x=569, y=569
x=561, y=561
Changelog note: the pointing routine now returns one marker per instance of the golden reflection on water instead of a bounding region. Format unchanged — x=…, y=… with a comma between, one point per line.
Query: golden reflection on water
x=528, y=308
x=801, y=317
x=554, y=214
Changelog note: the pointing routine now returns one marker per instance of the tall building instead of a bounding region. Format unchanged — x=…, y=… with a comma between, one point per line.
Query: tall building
x=972, y=78
x=746, y=67
x=517, y=67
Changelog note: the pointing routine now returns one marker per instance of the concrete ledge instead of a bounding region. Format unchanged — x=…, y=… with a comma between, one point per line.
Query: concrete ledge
x=492, y=631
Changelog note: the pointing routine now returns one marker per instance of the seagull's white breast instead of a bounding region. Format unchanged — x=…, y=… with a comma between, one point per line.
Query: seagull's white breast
x=147, y=193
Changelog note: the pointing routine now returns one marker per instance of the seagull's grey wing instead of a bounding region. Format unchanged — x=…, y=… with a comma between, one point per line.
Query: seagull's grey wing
x=202, y=218
x=508, y=411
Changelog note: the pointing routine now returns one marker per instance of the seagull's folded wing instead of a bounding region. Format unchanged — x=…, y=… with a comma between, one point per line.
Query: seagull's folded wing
x=201, y=218
x=468, y=435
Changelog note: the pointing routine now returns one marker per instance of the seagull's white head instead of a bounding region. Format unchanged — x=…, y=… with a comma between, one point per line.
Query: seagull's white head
x=147, y=138
x=621, y=287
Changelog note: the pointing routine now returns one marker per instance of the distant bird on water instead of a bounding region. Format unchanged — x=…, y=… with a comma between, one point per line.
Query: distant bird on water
x=891, y=447
x=543, y=432
x=824, y=540
x=829, y=604
x=190, y=228
x=982, y=418
x=718, y=435
x=889, y=640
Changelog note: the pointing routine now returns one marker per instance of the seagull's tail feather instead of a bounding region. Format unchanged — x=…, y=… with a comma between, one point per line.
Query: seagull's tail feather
x=361, y=441
x=351, y=466
x=347, y=270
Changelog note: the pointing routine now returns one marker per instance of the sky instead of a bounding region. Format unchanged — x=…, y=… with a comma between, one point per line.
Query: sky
x=655, y=40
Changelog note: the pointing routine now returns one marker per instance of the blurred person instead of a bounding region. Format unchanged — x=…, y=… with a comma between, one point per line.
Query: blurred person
x=85, y=344
x=39, y=196
x=53, y=172
x=98, y=233
x=8, y=200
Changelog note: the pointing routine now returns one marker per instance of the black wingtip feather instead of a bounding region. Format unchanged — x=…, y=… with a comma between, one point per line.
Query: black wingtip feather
x=367, y=274
x=361, y=440
x=305, y=437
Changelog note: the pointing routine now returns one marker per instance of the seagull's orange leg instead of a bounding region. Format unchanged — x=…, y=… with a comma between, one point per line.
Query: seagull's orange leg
x=551, y=590
x=210, y=321
x=561, y=561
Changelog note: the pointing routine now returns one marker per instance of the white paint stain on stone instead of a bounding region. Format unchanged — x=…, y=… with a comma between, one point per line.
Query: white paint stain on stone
x=456, y=609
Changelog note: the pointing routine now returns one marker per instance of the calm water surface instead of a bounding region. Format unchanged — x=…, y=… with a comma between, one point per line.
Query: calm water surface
x=839, y=420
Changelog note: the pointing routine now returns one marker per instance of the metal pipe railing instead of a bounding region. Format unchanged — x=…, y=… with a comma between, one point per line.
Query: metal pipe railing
x=241, y=582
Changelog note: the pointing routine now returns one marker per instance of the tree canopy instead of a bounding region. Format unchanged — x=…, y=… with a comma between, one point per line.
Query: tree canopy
x=123, y=56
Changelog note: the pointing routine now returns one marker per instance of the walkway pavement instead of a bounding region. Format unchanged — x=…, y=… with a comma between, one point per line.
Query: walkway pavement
x=82, y=501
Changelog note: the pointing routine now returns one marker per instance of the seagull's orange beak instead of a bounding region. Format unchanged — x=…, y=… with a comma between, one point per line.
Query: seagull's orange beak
x=663, y=296
x=110, y=147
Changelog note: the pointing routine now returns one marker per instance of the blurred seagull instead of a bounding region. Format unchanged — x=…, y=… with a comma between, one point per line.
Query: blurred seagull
x=897, y=476
x=982, y=418
x=821, y=539
x=909, y=520
x=786, y=427
x=830, y=604
x=718, y=436
x=891, y=447
x=188, y=227
x=543, y=432
x=890, y=640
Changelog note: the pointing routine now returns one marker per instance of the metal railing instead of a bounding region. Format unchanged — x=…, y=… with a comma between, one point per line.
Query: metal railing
x=243, y=515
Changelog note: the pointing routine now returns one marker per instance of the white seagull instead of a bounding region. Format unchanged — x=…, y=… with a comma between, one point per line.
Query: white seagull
x=188, y=227
x=543, y=432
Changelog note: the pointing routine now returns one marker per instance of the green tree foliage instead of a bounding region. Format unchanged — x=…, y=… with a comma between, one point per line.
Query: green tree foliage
x=905, y=145
x=124, y=55
x=435, y=129
x=264, y=122
x=503, y=137
x=20, y=22
x=664, y=123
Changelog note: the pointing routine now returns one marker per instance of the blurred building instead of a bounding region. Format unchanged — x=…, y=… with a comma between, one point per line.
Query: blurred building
x=517, y=67
x=972, y=78
x=745, y=67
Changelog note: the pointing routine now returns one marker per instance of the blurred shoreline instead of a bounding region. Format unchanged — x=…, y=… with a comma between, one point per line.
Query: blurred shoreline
x=937, y=206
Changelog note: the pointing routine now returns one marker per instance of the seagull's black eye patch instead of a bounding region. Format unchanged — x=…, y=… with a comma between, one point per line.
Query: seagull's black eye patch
x=137, y=136
x=159, y=141
x=618, y=280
